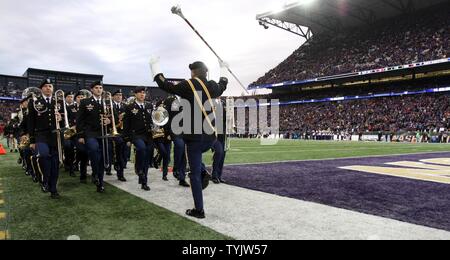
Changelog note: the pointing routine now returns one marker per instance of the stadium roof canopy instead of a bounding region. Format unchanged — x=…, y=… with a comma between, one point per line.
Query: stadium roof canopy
x=306, y=17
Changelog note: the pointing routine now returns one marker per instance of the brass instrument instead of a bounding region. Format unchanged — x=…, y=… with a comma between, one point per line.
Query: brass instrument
x=60, y=95
x=160, y=118
x=24, y=142
x=105, y=132
x=70, y=132
x=120, y=124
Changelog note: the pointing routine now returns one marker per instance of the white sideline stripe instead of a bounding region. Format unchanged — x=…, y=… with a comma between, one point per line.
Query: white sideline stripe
x=334, y=159
x=250, y=215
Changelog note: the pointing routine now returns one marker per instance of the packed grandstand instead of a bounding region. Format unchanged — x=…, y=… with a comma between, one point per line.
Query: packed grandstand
x=405, y=103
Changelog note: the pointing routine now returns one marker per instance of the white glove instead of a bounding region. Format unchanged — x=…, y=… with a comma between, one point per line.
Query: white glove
x=223, y=69
x=154, y=66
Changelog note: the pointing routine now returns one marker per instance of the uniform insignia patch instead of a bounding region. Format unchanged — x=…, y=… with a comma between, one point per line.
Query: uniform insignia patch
x=90, y=107
x=39, y=106
x=135, y=111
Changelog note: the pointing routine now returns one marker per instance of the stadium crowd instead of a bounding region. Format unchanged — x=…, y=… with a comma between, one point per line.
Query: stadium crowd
x=425, y=112
x=424, y=36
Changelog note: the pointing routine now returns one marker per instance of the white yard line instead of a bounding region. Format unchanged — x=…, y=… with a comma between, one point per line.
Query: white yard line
x=334, y=159
x=247, y=215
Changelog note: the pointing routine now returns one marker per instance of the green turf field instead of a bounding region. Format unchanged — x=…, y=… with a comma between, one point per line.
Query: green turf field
x=83, y=212
x=251, y=151
x=119, y=215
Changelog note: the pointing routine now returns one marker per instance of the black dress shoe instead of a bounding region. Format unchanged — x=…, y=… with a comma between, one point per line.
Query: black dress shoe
x=122, y=179
x=184, y=184
x=165, y=178
x=44, y=189
x=196, y=213
x=176, y=175
x=35, y=180
x=145, y=187
x=55, y=196
x=100, y=189
x=216, y=180
x=205, y=180
x=108, y=174
x=95, y=181
x=223, y=181
x=27, y=173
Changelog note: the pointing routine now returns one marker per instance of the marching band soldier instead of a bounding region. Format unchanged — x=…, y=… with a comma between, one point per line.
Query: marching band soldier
x=81, y=156
x=69, y=145
x=118, y=143
x=9, y=134
x=138, y=131
x=43, y=117
x=163, y=144
x=179, y=157
x=219, y=146
x=196, y=91
x=24, y=136
x=89, y=129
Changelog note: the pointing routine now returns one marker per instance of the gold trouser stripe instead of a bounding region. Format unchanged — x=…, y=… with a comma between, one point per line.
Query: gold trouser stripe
x=39, y=168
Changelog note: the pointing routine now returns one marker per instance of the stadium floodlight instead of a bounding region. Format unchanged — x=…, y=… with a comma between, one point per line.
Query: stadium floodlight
x=264, y=25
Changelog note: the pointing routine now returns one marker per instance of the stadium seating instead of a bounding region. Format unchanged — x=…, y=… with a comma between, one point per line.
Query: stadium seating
x=403, y=40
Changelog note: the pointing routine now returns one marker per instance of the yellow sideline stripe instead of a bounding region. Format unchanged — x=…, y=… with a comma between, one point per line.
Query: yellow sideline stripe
x=2, y=202
x=4, y=235
x=2, y=215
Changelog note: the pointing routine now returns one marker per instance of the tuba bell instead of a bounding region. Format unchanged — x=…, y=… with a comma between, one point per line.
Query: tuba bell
x=160, y=118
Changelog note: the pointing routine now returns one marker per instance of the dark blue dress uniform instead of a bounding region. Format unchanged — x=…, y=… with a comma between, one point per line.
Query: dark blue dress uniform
x=196, y=142
x=70, y=144
x=219, y=147
x=179, y=158
x=89, y=127
x=138, y=130
x=27, y=152
x=164, y=143
x=42, y=126
x=119, y=145
x=81, y=156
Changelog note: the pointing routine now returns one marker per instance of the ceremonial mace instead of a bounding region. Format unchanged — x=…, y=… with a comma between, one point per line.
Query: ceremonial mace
x=177, y=10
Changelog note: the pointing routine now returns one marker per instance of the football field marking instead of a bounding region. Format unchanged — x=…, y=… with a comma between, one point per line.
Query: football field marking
x=4, y=235
x=335, y=159
x=410, y=170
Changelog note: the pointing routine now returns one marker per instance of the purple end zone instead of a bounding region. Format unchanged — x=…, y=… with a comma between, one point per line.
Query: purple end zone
x=419, y=202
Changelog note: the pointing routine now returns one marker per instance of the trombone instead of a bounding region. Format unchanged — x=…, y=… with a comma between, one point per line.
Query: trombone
x=60, y=95
x=105, y=131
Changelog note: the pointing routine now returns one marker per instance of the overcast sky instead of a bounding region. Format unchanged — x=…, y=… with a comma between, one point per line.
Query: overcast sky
x=116, y=38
